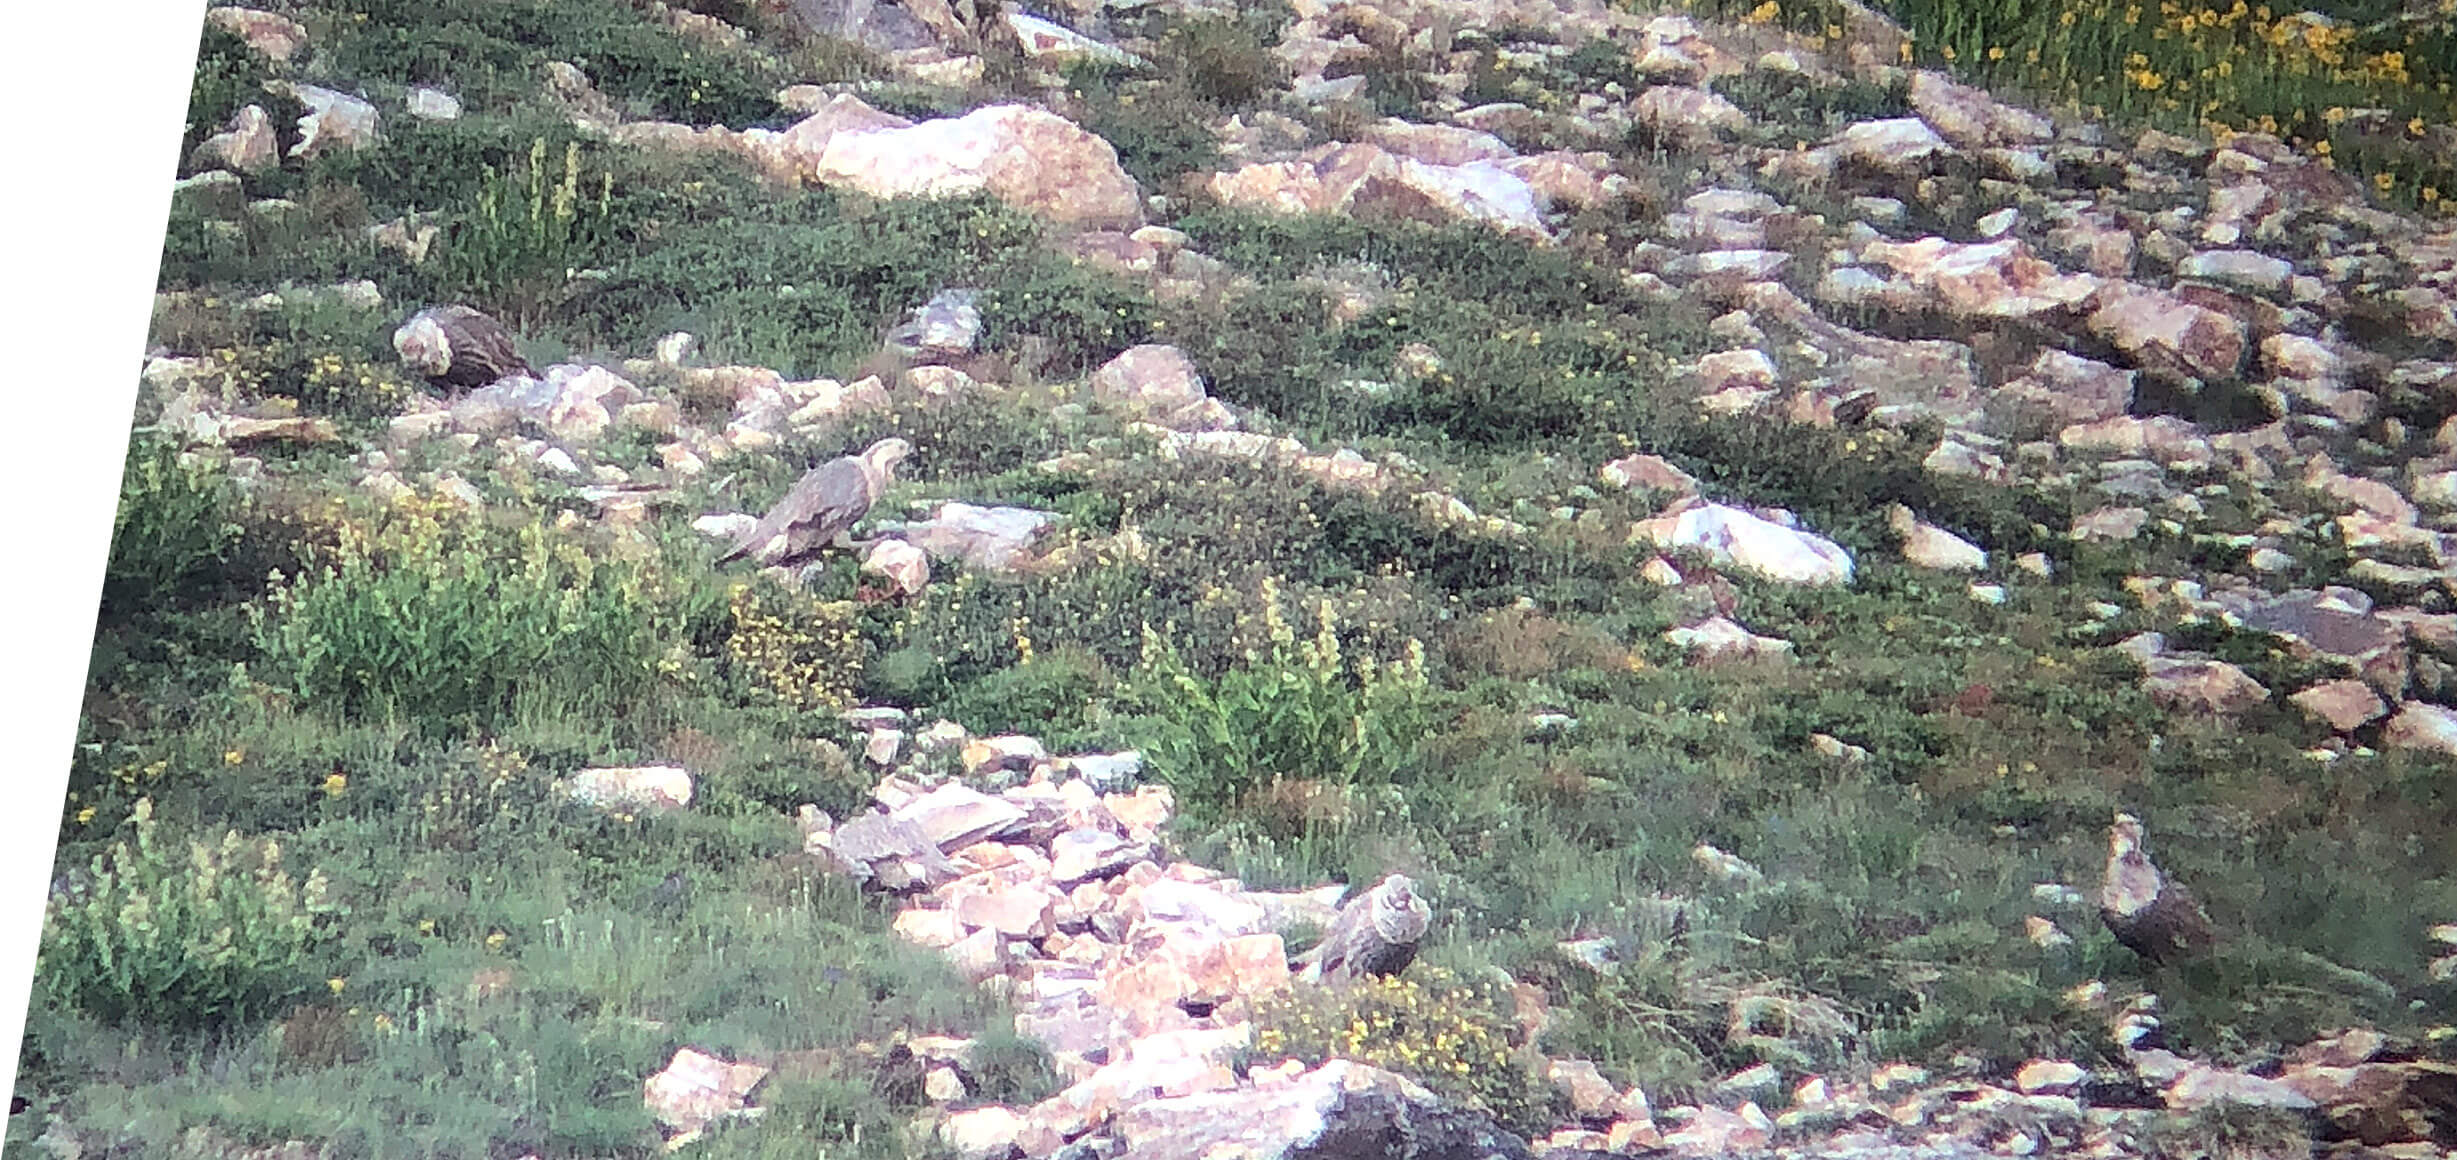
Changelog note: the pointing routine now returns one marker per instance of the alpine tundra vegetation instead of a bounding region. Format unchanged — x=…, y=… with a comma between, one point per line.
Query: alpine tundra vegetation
x=1384, y=577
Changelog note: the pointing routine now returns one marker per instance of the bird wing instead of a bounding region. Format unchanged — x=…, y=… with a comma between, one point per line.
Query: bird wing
x=479, y=338
x=828, y=499
x=1349, y=927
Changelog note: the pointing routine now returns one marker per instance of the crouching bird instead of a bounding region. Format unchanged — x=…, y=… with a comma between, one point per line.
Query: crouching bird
x=1375, y=934
x=2157, y=918
x=457, y=346
x=822, y=507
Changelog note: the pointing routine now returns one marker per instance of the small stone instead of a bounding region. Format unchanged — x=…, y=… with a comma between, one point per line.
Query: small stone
x=2048, y=1075
x=982, y=1133
x=2420, y=725
x=433, y=105
x=1763, y=1078
x=1591, y=1096
x=2343, y=705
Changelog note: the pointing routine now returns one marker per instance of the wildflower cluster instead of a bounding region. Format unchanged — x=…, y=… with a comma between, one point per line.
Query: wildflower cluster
x=808, y=654
x=2374, y=99
x=194, y=937
x=531, y=229
x=1431, y=1026
x=480, y=801
x=319, y=378
x=350, y=383
x=1296, y=709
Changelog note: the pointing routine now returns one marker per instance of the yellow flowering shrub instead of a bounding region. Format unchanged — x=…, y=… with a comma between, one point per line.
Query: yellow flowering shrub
x=1450, y=1034
x=806, y=653
x=187, y=935
x=320, y=378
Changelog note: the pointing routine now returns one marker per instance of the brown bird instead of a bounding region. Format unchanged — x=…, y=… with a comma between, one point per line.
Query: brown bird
x=2158, y=919
x=822, y=507
x=456, y=346
x=1855, y=409
x=1376, y=933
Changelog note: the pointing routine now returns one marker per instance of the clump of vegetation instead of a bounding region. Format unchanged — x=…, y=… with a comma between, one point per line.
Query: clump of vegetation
x=806, y=653
x=425, y=611
x=229, y=76
x=530, y=231
x=1299, y=711
x=1446, y=1032
x=1058, y=696
x=185, y=934
x=1161, y=131
x=322, y=376
x=492, y=54
x=177, y=525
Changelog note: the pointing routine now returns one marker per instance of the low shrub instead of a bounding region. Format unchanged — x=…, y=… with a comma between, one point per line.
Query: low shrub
x=427, y=612
x=195, y=938
x=491, y=53
x=1443, y=1031
x=229, y=75
x=1299, y=712
x=177, y=524
x=1053, y=695
x=529, y=230
x=806, y=653
x=1160, y=130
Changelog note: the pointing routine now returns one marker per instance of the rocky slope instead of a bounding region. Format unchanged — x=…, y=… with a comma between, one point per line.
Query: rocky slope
x=2221, y=354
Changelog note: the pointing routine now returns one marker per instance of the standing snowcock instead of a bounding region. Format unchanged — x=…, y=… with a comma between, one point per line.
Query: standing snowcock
x=457, y=346
x=822, y=508
x=1376, y=934
x=2158, y=919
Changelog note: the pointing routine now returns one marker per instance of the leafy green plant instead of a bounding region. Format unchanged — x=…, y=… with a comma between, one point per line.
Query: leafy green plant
x=529, y=230
x=1160, y=130
x=1051, y=695
x=1299, y=712
x=177, y=524
x=200, y=937
x=428, y=612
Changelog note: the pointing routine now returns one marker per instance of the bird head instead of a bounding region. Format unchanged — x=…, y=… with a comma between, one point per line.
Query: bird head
x=2131, y=882
x=422, y=345
x=1398, y=915
x=2124, y=837
x=885, y=454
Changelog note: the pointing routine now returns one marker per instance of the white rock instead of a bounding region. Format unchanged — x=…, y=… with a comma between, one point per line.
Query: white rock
x=657, y=787
x=1735, y=538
